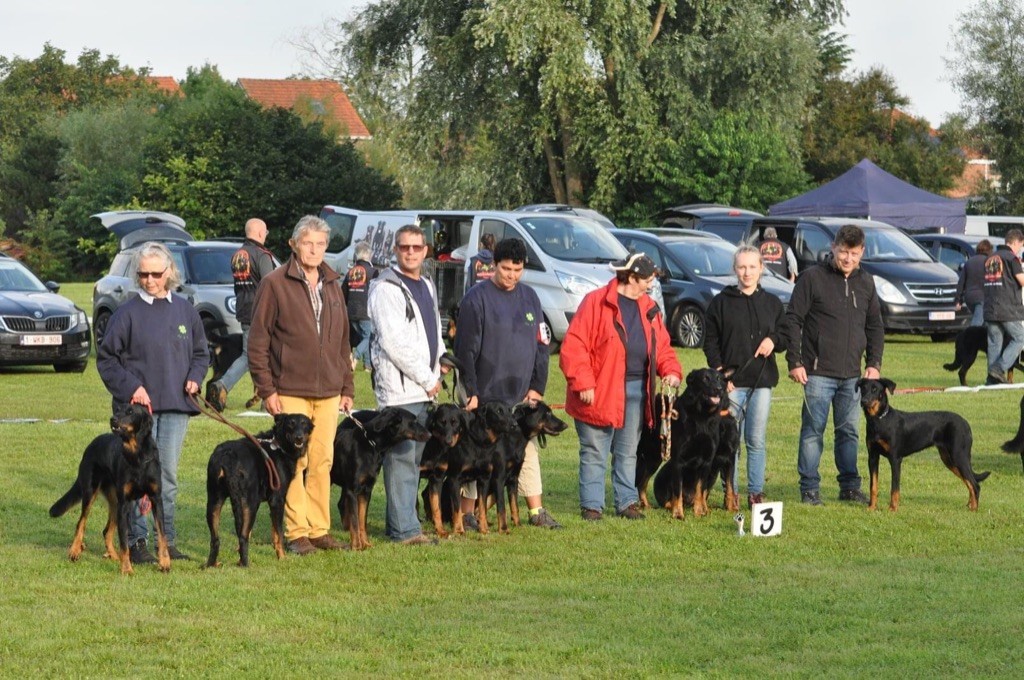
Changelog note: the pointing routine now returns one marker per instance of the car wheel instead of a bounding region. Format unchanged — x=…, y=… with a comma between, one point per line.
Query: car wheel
x=99, y=326
x=554, y=345
x=688, y=326
x=73, y=367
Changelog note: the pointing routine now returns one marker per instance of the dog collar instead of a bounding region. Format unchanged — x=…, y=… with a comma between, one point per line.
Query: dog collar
x=269, y=443
x=885, y=412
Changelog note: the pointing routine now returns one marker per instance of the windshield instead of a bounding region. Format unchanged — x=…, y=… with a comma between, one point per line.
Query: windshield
x=704, y=256
x=891, y=245
x=15, y=277
x=572, y=238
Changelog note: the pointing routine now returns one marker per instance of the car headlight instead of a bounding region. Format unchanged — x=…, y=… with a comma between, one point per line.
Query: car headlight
x=887, y=292
x=231, y=303
x=80, y=318
x=575, y=285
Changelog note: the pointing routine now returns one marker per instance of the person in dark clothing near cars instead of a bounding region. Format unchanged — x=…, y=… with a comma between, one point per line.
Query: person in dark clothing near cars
x=481, y=265
x=970, y=288
x=356, y=288
x=743, y=330
x=249, y=265
x=777, y=256
x=1004, y=311
x=502, y=347
x=834, y=319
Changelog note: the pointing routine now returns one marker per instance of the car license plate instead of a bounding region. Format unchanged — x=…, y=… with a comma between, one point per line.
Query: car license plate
x=40, y=339
x=941, y=316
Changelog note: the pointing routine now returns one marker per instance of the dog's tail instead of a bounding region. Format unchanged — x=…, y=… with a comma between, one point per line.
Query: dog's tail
x=71, y=498
x=1016, y=445
x=981, y=476
x=953, y=366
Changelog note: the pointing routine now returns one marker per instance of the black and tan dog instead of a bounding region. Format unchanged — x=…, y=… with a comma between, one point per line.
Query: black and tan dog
x=360, y=445
x=968, y=343
x=473, y=459
x=894, y=435
x=124, y=466
x=705, y=441
x=237, y=470
x=446, y=424
x=532, y=420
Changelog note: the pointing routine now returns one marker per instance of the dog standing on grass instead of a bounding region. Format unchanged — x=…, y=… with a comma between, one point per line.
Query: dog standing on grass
x=237, y=471
x=124, y=466
x=894, y=435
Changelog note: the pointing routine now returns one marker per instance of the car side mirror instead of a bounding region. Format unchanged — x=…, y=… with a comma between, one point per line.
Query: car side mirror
x=52, y=286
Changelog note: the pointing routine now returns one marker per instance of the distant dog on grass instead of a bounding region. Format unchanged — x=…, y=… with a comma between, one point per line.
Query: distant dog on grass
x=124, y=466
x=894, y=435
x=237, y=470
x=968, y=343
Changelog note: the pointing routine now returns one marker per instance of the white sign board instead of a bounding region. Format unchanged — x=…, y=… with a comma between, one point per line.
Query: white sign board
x=766, y=519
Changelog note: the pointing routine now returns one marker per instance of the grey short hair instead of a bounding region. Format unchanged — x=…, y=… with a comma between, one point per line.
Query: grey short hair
x=310, y=223
x=362, y=251
x=743, y=250
x=770, y=232
x=159, y=250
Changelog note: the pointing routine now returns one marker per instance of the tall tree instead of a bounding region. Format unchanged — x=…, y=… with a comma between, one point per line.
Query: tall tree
x=496, y=102
x=988, y=71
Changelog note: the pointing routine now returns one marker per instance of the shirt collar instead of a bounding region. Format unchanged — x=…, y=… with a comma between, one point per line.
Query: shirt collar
x=149, y=299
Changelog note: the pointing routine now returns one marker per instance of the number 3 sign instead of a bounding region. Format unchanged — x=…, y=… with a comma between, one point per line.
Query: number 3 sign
x=766, y=519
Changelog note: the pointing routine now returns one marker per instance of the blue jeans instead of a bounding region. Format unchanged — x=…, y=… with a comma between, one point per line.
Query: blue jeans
x=753, y=427
x=402, y=480
x=977, y=315
x=362, y=347
x=1002, y=360
x=841, y=395
x=169, y=433
x=240, y=366
x=595, y=445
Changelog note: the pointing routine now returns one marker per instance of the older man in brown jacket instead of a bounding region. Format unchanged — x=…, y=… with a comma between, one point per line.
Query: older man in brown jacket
x=299, y=359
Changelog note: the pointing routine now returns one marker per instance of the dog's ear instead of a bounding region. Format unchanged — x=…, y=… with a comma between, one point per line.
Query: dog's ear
x=467, y=419
x=861, y=383
x=888, y=384
x=691, y=378
x=279, y=418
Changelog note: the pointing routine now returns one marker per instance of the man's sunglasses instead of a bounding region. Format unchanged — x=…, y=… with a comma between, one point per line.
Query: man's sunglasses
x=410, y=247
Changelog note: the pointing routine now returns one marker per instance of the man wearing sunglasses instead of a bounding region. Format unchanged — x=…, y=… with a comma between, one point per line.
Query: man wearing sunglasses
x=405, y=352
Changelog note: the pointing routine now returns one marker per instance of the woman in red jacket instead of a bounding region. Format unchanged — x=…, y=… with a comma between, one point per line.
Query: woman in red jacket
x=612, y=354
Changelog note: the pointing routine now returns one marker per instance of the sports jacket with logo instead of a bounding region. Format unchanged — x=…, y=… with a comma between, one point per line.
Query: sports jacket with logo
x=249, y=265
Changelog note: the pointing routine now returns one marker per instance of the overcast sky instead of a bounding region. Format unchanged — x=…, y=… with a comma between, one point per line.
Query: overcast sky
x=251, y=38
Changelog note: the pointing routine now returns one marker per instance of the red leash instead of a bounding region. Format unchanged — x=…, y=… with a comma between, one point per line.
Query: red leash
x=207, y=409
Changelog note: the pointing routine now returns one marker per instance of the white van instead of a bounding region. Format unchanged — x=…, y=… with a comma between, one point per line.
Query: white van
x=568, y=254
x=992, y=225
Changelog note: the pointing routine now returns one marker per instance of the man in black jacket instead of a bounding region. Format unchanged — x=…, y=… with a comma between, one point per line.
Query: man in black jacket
x=1004, y=313
x=249, y=265
x=834, y=317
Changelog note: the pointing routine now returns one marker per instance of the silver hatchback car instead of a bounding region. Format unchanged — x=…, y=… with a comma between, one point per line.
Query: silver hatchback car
x=205, y=269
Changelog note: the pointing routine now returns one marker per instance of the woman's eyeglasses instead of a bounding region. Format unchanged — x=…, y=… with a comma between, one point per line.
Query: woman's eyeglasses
x=151, y=275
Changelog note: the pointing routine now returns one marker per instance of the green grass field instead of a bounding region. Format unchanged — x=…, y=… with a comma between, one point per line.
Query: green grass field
x=932, y=590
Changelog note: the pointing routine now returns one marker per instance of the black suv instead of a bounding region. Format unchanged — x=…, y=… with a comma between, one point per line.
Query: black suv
x=205, y=266
x=37, y=326
x=730, y=223
x=917, y=293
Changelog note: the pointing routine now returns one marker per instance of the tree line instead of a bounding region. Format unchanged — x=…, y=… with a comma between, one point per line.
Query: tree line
x=628, y=107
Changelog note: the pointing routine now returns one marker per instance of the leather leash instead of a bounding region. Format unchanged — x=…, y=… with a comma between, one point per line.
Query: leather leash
x=207, y=409
x=667, y=395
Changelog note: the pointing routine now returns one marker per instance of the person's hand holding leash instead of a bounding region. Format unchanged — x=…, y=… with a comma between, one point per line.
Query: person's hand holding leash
x=765, y=349
x=532, y=397
x=141, y=396
x=672, y=381
x=345, y=404
x=472, y=403
x=432, y=392
x=872, y=373
x=191, y=387
x=799, y=374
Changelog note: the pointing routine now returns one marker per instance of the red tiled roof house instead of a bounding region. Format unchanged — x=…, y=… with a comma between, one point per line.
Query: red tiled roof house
x=322, y=99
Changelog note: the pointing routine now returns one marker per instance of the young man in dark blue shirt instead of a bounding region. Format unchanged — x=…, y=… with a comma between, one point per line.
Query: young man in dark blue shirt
x=502, y=347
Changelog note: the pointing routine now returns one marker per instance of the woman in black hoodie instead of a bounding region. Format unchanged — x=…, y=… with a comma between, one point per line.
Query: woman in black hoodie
x=743, y=323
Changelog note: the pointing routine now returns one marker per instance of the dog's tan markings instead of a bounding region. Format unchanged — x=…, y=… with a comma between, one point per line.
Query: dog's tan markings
x=126, y=490
x=111, y=528
x=481, y=512
x=364, y=541
x=699, y=508
x=435, y=512
x=513, y=501
x=972, y=497
x=894, y=501
x=884, y=444
x=275, y=537
x=873, y=408
x=126, y=563
x=163, y=557
x=78, y=542
x=873, y=505
x=675, y=504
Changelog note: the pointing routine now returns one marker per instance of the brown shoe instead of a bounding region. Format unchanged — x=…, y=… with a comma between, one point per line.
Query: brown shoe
x=591, y=515
x=419, y=539
x=755, y=498
x=301, y=546
x=328, y=542
x=631, y=511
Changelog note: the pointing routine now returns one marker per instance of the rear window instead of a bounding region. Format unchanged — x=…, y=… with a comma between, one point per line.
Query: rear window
x=733, y=232
x=210, y=266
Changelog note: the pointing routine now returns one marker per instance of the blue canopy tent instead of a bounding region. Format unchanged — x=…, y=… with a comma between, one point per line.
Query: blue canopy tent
x=867, y=191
